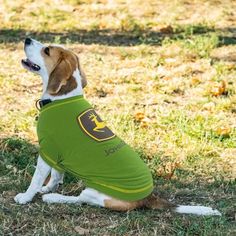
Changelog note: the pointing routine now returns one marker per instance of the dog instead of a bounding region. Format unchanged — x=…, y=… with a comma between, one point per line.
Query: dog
x=130, y=188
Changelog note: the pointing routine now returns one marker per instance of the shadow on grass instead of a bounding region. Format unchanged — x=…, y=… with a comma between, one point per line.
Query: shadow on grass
x=228, y=36
x=21, y=155
x=101, y=37
x=111, y=37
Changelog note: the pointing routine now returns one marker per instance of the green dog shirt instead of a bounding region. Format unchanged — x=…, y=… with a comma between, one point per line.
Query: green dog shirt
x=74, y=139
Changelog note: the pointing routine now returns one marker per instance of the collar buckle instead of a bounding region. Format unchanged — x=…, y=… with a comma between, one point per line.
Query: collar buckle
x=40, y=103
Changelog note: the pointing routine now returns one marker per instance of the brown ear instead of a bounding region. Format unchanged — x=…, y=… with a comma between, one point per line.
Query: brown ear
x=59, y=76
x=83, y=77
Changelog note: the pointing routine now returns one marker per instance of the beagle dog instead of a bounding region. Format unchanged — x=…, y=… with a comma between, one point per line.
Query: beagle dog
x=63, y=80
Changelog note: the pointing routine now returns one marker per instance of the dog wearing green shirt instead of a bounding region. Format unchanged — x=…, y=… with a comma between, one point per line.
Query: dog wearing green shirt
x=74, y=139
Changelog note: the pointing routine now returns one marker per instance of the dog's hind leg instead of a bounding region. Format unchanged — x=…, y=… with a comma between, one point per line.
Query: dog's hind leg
x=55, y=179
x=89, y=196
x=93, y=197
x=60, y=198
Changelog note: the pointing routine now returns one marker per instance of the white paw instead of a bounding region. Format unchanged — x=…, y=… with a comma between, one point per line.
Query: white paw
x=215, y=212
x=51, y=197
x=23, y=198
x=45, y=189
x=49, y=188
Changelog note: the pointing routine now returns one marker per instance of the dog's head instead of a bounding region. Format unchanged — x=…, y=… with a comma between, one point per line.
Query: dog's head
x=58, y=66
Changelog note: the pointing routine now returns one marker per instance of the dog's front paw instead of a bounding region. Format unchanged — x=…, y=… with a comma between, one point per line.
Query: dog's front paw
x=23, y=198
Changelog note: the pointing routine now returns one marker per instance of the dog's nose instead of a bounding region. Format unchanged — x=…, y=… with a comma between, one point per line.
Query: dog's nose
x=28, y=41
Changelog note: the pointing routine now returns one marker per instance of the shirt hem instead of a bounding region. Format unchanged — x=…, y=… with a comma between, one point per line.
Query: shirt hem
x=121, y=195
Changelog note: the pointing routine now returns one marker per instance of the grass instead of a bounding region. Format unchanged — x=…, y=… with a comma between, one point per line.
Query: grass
x=165, y=73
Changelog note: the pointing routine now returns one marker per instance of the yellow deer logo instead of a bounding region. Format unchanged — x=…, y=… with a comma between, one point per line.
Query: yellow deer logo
x=99, y=124
x=93, y=126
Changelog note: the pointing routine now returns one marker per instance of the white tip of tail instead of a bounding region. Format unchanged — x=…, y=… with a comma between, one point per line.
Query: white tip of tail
x=197, y=210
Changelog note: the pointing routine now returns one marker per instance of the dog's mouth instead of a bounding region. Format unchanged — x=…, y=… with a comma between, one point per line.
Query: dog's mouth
x=30, y=65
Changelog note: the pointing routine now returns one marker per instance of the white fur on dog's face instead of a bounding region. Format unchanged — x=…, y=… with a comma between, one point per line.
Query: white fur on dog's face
x=33, y=53
x=56, y=65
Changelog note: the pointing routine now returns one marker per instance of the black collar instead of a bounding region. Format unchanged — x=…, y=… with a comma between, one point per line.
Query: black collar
x=40, y=103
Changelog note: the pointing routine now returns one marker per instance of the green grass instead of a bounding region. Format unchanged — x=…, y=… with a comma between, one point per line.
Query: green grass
x=153, y=68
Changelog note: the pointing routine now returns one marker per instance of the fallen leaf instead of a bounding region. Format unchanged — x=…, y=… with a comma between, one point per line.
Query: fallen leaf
x=210, y=106
x=167, y=78
x=168, y=169
x=178, y=91
x=167, y=29
x=66, y=8
x=169, y=176
x=145, y=122
x=171, y=61
x=218, y=89
x=101, y=93
x=160, y=172
x=223, y=130
x=81, y=230
x=9, y=193
x=195, y=81
x=139, y=116
x=233, y=110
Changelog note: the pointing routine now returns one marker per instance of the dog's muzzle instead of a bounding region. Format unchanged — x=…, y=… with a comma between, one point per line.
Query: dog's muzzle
x=27, y=63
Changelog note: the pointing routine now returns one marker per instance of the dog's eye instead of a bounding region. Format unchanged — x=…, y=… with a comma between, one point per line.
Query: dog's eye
x=46, y=51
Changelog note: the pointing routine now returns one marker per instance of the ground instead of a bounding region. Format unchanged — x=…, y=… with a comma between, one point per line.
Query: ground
x=162, y=75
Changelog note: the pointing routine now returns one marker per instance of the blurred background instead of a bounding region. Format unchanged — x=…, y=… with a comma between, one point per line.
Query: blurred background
x=163, y=76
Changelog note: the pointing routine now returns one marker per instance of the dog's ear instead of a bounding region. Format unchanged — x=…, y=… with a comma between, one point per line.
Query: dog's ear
x=59, y=76
x=83, y=77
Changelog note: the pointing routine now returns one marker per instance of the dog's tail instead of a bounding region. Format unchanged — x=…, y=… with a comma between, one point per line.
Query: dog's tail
x=155, y=202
